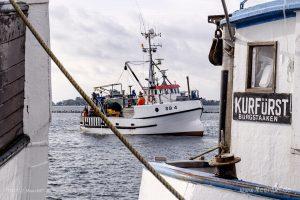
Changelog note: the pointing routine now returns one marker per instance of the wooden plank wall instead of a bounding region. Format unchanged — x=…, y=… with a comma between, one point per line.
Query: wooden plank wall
x=12, y=75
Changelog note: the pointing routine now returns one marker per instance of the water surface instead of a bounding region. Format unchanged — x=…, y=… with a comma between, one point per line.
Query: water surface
x=99, y=167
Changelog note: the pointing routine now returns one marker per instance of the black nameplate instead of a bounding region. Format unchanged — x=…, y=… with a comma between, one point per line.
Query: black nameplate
x=262, y=107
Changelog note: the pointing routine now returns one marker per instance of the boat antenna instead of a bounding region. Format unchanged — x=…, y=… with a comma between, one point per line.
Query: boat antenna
x=163, y=74
x=227, y=20
x=152, y=48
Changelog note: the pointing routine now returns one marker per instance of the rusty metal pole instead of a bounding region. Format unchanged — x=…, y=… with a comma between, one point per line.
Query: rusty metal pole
x=188, y=85
x=227, y=67
x=227, y=83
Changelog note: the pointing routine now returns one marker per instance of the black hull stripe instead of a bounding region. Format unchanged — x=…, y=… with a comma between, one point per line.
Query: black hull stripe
x=191, y=133
x=175, y=113
x=123, y=127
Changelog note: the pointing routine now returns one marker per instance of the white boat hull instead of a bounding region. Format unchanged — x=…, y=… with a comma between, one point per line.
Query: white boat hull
x=184, y=120
x=198, y=183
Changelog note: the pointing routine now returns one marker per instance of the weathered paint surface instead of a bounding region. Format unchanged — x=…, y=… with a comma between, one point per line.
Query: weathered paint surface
x=265, y=148
x=25, y=176
x=296, y=89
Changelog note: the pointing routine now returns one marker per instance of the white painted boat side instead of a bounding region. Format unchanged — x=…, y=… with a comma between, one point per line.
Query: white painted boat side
x=151, y=110
x=272, y=160
x=25, y=175
x=185, y=119
x=178, y=123
x=151, y=188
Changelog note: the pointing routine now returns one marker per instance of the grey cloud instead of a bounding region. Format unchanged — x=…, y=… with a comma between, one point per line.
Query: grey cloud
x=94, y=42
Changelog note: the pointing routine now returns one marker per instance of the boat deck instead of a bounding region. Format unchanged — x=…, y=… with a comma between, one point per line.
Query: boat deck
x=199, y=172
x=128, y=112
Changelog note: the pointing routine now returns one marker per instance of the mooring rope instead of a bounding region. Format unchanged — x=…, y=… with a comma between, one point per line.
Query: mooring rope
x=206, y=152
x=92, y=104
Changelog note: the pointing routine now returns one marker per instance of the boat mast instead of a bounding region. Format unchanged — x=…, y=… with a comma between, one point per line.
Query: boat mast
x=151, y=69
x=152, y=48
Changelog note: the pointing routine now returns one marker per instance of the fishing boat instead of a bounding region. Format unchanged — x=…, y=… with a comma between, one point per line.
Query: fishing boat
x=164, y=108
x=259, y=136
x=25, y=96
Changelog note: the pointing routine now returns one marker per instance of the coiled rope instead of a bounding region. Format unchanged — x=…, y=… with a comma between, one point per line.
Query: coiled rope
x=92, y=104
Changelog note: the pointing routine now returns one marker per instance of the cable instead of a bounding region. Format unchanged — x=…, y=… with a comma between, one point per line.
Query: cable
x=137, y=62
x=141, y=16
x=120, y=76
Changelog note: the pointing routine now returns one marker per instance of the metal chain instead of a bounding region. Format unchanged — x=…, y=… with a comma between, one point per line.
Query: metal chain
x=92, y=104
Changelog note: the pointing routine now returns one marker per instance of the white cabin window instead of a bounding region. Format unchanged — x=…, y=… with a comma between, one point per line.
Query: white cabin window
x=261, y=68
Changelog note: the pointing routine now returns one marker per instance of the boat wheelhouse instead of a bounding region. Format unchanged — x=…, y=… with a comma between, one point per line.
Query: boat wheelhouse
x=259, y=141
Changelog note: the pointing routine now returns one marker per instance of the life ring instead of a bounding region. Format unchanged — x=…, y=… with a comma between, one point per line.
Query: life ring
x=151, y=98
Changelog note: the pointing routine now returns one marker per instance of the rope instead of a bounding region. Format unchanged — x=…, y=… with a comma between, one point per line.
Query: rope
x=120, y=76
x=92, y=104
x=206, y=152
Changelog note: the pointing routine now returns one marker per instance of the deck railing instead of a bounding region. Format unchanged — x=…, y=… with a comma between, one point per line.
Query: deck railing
x=92, y=122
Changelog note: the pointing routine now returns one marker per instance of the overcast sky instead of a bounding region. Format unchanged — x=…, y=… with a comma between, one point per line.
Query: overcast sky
x=94, y=38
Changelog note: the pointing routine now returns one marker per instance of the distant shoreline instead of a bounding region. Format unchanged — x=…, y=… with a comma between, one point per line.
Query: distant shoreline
x=78, y=109
x=78, y=101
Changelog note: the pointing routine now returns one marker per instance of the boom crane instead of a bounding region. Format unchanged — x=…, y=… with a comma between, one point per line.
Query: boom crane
x=127, y=66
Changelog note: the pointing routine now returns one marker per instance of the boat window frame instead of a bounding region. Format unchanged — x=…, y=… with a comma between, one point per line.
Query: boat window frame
x=248, y=87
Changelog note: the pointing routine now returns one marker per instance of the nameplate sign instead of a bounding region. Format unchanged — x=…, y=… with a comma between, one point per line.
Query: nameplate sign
x=262, y=107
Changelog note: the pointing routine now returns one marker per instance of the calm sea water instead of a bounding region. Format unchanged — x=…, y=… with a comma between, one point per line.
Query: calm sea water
x=99, y=167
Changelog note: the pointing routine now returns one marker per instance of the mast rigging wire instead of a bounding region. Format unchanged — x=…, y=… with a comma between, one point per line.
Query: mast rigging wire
x=120, y=76
x=137, y=62
x=92, y=104
x=141, y=18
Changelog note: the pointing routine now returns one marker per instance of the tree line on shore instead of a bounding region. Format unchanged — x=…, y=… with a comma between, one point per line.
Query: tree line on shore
x=78, y=101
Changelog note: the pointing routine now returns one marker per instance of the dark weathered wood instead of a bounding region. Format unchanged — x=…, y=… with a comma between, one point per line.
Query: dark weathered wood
x=14, y=28
x=12, y=53
x=10, y=122
x=11, y=90
x=12, y=105
x=12, y=74
x=10, y=135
